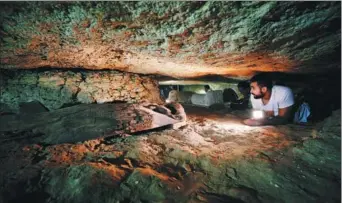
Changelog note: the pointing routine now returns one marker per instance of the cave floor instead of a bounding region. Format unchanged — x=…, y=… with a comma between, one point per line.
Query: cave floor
x=214, y=158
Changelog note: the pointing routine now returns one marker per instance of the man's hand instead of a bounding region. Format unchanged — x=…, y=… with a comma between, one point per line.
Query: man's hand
x=266, y=121
x=253, y=122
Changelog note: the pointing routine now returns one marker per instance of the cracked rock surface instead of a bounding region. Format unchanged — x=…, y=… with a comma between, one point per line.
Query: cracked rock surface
x=56, y=89
x=178, y=39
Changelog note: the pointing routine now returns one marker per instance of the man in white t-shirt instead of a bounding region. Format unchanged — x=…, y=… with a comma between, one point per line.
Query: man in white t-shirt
x=275, y=101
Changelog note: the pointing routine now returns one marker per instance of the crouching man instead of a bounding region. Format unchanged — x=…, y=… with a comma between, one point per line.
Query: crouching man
x=273, y=103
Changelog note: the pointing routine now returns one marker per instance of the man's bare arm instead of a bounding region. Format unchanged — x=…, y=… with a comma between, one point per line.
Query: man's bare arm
x=282, y=118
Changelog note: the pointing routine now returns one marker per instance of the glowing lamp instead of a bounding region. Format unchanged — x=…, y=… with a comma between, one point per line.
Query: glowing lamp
x=258, y=114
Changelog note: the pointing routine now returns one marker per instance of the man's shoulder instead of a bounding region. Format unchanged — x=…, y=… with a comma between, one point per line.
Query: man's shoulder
x=279, y=89
x=284, y=96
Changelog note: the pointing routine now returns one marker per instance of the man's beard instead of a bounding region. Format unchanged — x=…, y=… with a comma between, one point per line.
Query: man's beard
x=261, y=95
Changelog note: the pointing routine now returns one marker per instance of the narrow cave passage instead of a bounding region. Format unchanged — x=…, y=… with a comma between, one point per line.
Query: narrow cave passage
x=170, y=102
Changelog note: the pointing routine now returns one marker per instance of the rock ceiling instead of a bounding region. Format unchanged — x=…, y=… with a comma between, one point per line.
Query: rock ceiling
x=177, y=39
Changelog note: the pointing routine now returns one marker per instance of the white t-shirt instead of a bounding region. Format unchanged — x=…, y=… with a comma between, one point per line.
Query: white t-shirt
x=281, y=97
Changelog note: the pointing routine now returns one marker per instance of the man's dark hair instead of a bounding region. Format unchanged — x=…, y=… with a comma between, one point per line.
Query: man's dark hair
x=206, y=87
x=263, y=80
x=243, y=84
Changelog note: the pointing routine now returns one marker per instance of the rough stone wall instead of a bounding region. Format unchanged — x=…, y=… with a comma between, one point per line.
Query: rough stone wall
x=57, y=88
x=181, y=39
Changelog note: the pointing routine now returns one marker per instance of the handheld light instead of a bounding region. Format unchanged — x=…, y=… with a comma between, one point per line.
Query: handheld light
x=258, y=114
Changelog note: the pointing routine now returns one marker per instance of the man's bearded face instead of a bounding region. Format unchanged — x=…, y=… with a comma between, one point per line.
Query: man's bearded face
x=257, y=91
